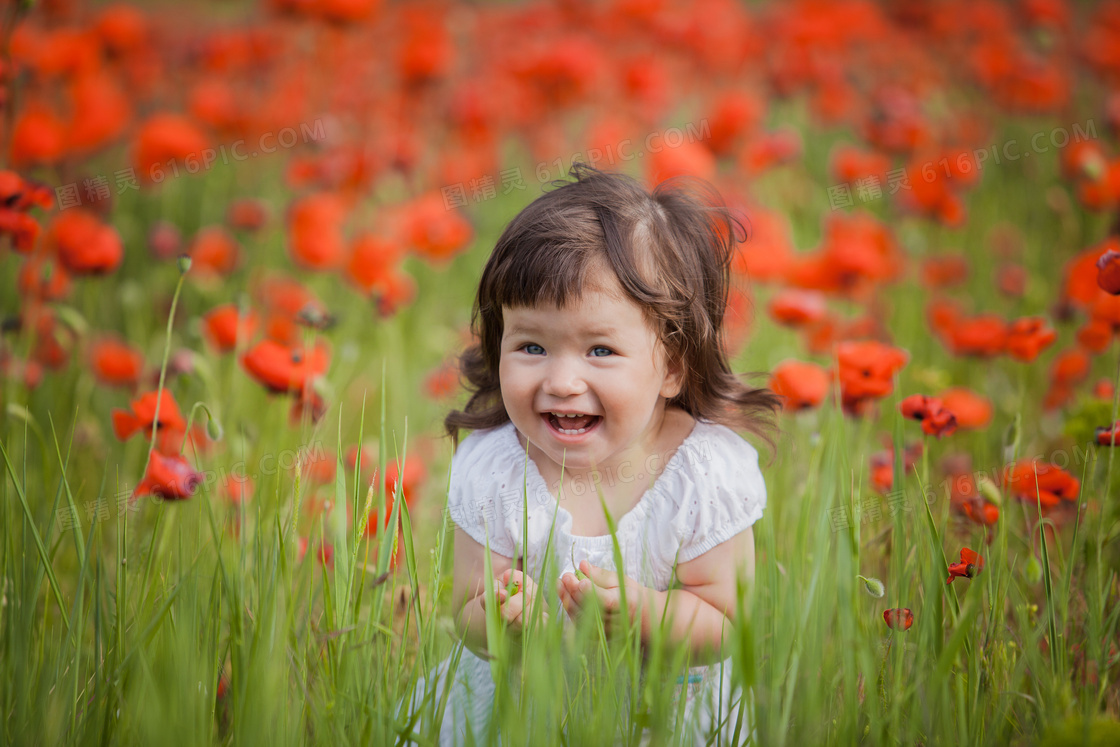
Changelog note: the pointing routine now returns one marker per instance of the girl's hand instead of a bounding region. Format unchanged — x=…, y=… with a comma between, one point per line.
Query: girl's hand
x=516, y=596
x=600, y=589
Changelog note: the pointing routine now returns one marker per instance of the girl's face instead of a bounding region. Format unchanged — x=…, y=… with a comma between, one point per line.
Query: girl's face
x=597, y=360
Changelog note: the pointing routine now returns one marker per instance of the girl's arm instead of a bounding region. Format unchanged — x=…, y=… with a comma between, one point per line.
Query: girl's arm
x=703, y=610
x=467, y=589
x=699, y=614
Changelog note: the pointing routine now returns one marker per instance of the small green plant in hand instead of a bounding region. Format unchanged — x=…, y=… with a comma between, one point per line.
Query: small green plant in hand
x=579, y=574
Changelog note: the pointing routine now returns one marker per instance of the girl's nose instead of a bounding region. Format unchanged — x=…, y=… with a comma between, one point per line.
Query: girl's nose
x=564, y=379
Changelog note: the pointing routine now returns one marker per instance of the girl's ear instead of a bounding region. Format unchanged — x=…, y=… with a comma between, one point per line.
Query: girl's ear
x=674, y=379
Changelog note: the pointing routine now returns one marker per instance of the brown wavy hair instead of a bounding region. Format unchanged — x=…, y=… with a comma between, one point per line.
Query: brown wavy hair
x=671, y=251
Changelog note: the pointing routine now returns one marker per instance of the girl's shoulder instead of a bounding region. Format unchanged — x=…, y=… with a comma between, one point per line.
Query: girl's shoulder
x=711, y=490
x=488, y=454
x=712, y=447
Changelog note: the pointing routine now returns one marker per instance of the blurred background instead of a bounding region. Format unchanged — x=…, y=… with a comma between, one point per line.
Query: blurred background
x=275, y=213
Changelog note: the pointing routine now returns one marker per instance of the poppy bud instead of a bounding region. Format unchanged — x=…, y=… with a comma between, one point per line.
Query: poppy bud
x=898, y=619
x=989, y=490
x=214, y=429
x=1107, y=436
x=1108, y=272
x=873, y=586
x=1034, y=570
x=184, y=262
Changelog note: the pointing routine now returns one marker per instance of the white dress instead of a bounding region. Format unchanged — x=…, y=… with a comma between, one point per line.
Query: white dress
x=710, y=490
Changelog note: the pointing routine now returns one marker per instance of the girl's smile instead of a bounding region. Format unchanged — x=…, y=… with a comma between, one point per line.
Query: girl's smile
x=586, y=385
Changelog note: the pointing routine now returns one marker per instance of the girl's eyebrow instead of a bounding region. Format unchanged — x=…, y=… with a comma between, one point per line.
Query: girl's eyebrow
x=522, y=329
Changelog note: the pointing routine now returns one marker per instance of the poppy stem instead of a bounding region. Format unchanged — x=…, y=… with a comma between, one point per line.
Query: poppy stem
x=883, y=666
x=1108, y=476
x=163, y=373
x=190, y=422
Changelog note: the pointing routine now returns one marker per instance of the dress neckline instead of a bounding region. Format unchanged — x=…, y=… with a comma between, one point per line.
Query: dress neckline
x=534, y=475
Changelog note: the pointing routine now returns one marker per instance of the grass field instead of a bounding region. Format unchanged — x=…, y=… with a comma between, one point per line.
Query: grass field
x=276, y=619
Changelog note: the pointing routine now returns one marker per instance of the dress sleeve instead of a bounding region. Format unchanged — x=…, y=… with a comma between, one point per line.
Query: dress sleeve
x=723, y=493
x=480, y=479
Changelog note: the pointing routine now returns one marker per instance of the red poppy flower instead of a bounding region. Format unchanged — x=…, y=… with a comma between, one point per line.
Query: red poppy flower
x=39, y=136
x=882, y=464
x=943, y=315
x=983, y=336
x=943, y=272
x=981, y=512
x=970, y=409
x=801, y=384
x=51, y=337
x=765, y=151
x=414, y=474
x=143, y=414
x=283, y=369
x=23, y=229
x=116, y=363
x=1011, y=280
x=936, y=421
x=849, y=163
x=970, y=565
x=433, y=231
x=17, y=196
x=101, y=111
x=688, y=159
x=865, y=369
x=247, y=214
x=287, y=297
x=315, y=227
x=396, y=290
x=238, y=490
x=898, y=619
x=919, y=406
x=372, y=260
x=43, y=279
x=122, y=28
x=1108, y=272
x=307, y=402
x=85, y=245
x=1027, y=337
x=1108, y=436
x=214, y=252
x=767, y=256
x=1027, y=479
x=168, y=477
x=166, y=137
x=442, y=382
x=1070, y=367
x=735, y=114
x=795, y=307
x=221, y=326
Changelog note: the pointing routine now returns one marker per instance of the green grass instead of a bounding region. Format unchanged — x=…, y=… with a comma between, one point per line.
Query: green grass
x=118, y=630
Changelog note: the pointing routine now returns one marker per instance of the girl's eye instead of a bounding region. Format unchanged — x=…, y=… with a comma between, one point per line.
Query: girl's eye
x=533, y=349
x=605, y=352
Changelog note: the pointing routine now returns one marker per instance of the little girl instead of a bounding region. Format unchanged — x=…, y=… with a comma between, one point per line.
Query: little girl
x=600, y=367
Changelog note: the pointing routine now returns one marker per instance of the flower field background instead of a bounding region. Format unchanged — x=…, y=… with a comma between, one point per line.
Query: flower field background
x=239, y=245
